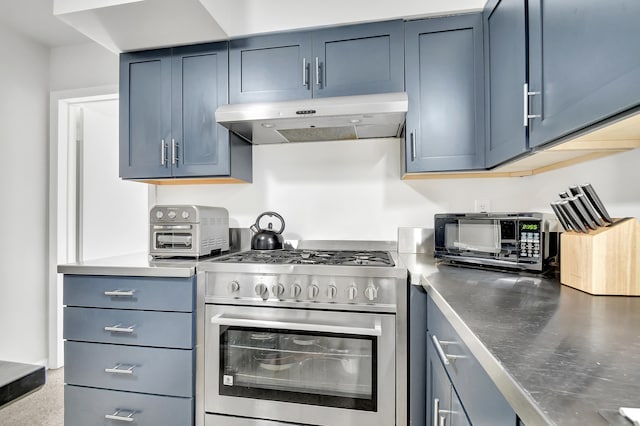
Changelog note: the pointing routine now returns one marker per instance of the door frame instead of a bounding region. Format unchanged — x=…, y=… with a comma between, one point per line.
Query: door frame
x=62, y=234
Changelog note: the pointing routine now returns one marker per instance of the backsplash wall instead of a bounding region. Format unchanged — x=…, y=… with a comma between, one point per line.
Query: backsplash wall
x=352, y=190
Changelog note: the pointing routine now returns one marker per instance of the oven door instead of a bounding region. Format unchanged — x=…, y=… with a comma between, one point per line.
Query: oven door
x=301, y=366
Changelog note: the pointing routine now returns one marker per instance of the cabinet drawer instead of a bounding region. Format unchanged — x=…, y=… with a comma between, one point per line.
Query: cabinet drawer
x=141, y=328
x=148, y=293
x=482, y=400
x=129, y=368
x=87, y=406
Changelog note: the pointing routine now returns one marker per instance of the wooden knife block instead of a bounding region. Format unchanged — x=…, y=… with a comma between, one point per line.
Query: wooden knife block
x=603, y=262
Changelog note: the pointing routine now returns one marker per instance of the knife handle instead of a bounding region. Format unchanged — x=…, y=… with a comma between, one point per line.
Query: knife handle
x=582, y=214
x=596, y=201
x=561, y=217
x=589, y=209
x=577, y=224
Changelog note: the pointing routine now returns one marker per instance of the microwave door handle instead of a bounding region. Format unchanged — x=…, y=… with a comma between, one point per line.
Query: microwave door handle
x=285, y=325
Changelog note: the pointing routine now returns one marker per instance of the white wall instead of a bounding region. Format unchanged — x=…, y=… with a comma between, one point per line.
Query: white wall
x=114, y=211
x=24, y=84
x=82, y=66
x=352, y=190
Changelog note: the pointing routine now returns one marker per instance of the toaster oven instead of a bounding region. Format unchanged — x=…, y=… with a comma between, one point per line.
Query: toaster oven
x=188, y=230
x=524, y=241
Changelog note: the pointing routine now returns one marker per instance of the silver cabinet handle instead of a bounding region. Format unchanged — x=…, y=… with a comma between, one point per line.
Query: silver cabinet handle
x=117, y=370
x=526, y=94
x=446, y=358
x=119, y=293
x=119, y=329
x=174, y=151
x=436, y=411
x=317, y=71
x=305, y=80
x=163, y=153
x=285, y=325
x=118, y=417
x=413, y=145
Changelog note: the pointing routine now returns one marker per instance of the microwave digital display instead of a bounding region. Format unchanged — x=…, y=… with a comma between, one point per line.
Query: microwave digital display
x=530, y=227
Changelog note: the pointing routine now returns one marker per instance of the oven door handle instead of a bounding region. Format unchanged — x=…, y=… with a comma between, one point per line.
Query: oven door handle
x=220, y=319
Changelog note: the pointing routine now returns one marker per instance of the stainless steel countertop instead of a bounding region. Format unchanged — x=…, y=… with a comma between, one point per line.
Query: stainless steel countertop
x=558, y=355
x=134, y=264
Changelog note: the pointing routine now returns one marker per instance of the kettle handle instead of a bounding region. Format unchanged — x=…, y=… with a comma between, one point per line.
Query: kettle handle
x=256, y=226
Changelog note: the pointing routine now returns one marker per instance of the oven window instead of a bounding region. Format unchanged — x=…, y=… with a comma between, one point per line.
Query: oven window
x=326, y=369
x=173, y=240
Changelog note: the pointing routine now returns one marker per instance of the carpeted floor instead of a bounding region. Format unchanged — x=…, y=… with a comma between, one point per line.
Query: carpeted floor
x=44, y=407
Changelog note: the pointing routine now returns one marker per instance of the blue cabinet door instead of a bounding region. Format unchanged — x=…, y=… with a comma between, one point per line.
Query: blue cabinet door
x=199, y=146
x=438, y=389
x=145, y=114
x=506, y=74
x=270, y=68
x=358, y=59
x=445, y=85
x=585, y=59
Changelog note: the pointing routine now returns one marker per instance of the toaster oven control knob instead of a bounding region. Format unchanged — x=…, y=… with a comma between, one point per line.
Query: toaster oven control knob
x=332, y=292
x=171, y=214
x=296, y=290
x=159, y=214
x=234, y=286
x=185, y=214
x=277, y=290
x=313, y=291
x=262, y=291
x=352, y=292
x=371, y=293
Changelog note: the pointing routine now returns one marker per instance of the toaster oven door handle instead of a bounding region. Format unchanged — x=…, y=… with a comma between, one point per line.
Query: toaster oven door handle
x=220, y=319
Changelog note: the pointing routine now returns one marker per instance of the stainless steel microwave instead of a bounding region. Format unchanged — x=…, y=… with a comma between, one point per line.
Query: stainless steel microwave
x=523, y=241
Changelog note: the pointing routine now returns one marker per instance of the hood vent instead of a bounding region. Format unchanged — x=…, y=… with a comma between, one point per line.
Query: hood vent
x=313, y=120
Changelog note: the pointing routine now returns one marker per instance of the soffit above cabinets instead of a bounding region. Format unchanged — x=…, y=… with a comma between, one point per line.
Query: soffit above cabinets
x=127, y=25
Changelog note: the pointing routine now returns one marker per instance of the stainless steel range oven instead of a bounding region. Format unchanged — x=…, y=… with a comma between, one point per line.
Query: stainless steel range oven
x=306, y=337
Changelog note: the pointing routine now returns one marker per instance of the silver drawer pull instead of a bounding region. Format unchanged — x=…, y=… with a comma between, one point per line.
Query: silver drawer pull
x=118, y=370
x=446, y=358
x=119, y=293
x=119, y=329
x=118, y=417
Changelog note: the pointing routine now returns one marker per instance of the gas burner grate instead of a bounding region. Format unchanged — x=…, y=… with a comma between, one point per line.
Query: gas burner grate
x=311, y=257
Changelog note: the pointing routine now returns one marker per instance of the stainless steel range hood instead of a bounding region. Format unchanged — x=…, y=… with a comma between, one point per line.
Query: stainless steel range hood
x=323, y=119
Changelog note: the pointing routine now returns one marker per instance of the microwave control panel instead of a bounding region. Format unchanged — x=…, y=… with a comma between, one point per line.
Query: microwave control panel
x=529, y=237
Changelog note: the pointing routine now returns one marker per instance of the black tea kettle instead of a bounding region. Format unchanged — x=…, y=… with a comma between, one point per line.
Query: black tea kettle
x=267, y=239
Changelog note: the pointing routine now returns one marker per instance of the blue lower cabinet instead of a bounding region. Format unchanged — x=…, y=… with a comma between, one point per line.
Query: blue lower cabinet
x=97, y=407
x=472, y=390
x=129, y=368
x=129, y=365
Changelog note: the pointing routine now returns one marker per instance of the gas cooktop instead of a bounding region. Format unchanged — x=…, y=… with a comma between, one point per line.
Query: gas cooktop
x=311, y=257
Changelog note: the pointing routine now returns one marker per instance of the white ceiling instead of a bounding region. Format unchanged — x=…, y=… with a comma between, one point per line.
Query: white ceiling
x=122, y=25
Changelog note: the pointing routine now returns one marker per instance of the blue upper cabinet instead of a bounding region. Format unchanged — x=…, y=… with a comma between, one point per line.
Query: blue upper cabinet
x=506, y=75
x=585, y=61
x=350, y=60
x=168, y=99
x=270, y=68
x=145, y=113
x=358, y=59
x=445, y=85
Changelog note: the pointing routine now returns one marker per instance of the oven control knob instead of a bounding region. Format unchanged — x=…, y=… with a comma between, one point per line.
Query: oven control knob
x=277, y=290
x=171, y=214
x=296, y=290
x=313, y=291
x=262, y=291
x=371, y=293
x=332, y=291
x=234, y=286
x=159, y=214
x=185, y=214
x=353, y=292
